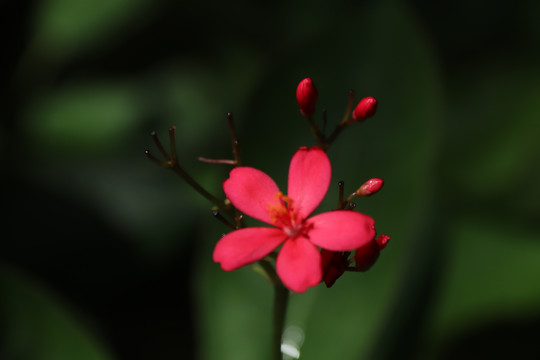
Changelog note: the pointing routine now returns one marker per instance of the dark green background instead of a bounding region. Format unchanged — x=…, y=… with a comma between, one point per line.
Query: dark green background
x=104, y=255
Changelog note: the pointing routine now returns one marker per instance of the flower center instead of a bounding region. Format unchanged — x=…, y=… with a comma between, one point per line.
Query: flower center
x=284, y=216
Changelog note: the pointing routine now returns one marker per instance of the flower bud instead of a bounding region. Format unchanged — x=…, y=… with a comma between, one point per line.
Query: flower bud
x=365, y=109
x=306, y=95
x=370, y=187
x=368, y=254
x=382, y=241
x=333, y=265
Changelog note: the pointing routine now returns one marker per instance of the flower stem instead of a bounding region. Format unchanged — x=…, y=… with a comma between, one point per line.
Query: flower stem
x=318, y=134
x=346, y=121
x=235, y=141
x=172, y=163
x=281, y=300
x=195, y=185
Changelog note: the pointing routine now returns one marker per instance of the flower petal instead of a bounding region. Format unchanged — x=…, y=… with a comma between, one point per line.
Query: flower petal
x=341, y=230
x=244, y=246
x=309, y=178
x=298, y=264
x=252, y=192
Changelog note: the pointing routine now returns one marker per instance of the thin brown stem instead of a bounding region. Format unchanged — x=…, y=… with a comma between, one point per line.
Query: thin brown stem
x=345, y=121
x=339, y=128
x=217, y=161
x=172, y=140
x=221, y=218
x=159, y=146
x=194, y=184
x=348, y=110
x=318, y=134
x=235, y=141
x=172, y=163
x=341, y=204
x=153, y=158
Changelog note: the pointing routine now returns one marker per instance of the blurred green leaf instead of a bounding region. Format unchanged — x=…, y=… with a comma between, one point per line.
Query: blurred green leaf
x=492, y=273
x=64, y=26
x=495, y=131
x=39, y=326
x=83, y=117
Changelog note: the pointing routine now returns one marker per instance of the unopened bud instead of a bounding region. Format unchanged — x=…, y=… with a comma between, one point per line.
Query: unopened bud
x=382, y=241
x=365, y=109
x=366, y=256
x=333, y=265
x=370, y=187
x=306, y=95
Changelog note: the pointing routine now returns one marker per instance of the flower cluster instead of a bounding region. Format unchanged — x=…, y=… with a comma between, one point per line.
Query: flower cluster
x=296, y=249
x=300, y=263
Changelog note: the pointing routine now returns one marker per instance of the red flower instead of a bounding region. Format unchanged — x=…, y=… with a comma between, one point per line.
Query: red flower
x=298, y=263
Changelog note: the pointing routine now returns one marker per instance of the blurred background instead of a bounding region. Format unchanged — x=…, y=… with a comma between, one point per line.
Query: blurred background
x=104, y=255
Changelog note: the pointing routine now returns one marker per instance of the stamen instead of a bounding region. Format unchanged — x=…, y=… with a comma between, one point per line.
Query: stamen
x=284, y=216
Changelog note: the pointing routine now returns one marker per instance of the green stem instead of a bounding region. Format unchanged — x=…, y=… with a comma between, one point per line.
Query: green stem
x=281, y=300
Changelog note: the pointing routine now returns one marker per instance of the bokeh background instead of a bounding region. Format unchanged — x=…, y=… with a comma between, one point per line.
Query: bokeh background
x=104, y=255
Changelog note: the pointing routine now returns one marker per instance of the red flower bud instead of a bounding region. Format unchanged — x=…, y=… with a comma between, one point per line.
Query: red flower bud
x=333, y=265
x=382, y=241
x=306, y=95
x=368, y=254
x=370, y=187
x=365, y=109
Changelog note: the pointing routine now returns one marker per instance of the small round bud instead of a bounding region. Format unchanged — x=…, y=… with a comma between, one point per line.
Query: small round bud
x=365, y=109
x=306, y=95
x=382, y=241
x=370, y=187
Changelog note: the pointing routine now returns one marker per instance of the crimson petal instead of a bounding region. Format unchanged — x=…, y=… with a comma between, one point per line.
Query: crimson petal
x=309, y=178
x=298, y=264
x=341, y=230
x=245, y=246
x=252, y=192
